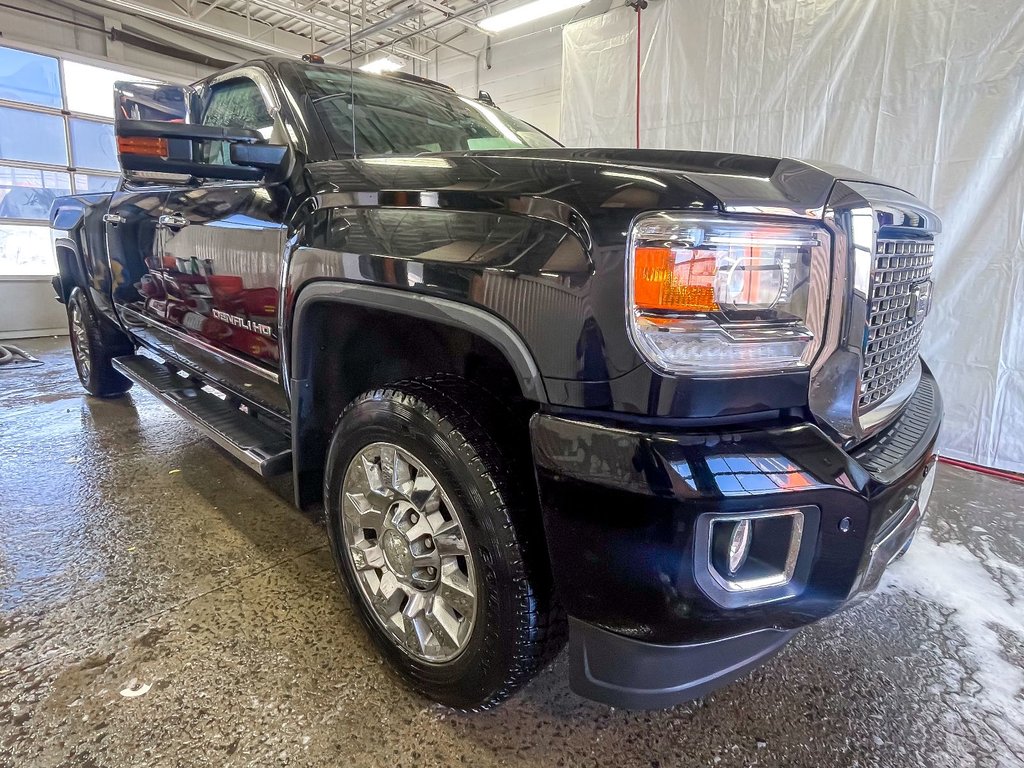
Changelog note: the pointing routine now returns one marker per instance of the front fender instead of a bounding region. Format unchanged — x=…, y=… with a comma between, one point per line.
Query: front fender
x=444, y=311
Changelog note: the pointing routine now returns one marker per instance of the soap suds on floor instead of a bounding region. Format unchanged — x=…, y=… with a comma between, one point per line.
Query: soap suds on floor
x=984, y=600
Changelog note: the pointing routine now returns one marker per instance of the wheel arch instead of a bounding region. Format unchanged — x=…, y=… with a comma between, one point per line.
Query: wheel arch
x=69, y=268
x=346, y=338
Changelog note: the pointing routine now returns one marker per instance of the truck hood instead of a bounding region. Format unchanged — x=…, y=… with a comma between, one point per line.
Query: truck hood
x=606, y=187
x=740, y=183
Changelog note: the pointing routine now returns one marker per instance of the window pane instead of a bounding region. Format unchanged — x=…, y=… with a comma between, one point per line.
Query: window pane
x=26, y=250
x=234, y=104
x=32, y=137
x=29, y=77
x=91, y=89
x=397, y=118
x=89, y=182
x=92, y=145
x=28, y=193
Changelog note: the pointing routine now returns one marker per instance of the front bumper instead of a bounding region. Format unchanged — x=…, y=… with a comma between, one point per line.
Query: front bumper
x=622, y=504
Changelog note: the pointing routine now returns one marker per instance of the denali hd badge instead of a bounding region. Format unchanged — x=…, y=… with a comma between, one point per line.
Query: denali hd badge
x=244, y=323
x=920, y=302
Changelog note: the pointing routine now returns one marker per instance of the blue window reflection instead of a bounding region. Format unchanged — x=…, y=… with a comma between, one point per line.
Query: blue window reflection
x=29, y=78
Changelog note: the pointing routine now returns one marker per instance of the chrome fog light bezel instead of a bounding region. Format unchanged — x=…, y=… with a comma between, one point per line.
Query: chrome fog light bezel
x=785, y=582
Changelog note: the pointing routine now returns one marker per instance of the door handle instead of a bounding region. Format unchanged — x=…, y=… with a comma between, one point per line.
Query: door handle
x=113, y=218
x=173, y=221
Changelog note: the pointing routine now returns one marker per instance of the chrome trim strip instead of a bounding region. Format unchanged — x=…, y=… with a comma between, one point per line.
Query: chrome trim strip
x=887, y=410
x=258, y=370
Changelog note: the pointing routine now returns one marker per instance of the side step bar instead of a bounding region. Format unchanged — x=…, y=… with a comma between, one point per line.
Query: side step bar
x=263, y=449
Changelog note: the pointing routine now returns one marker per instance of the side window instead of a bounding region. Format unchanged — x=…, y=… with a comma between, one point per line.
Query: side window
x=234, y=104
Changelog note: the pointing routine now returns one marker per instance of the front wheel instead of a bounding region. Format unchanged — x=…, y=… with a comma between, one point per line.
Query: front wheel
x=435, y=545
x=93, y=349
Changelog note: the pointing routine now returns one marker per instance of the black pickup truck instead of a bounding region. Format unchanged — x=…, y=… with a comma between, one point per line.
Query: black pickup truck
x=668, y=405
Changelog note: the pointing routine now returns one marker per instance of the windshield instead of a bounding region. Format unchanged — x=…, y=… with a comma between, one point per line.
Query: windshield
x=393, y=117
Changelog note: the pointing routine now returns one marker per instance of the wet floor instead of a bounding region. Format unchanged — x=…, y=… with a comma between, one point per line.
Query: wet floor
x=161, y=606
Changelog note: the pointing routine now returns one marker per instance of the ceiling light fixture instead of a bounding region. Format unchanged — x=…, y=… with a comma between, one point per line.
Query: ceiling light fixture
x=383, y=64
x=527, y=13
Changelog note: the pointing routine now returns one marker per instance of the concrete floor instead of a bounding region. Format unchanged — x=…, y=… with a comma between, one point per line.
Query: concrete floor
x=133, y=553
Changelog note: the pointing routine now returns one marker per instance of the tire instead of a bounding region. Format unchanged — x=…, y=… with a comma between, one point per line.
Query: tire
x=93, y=347
x=448, y=430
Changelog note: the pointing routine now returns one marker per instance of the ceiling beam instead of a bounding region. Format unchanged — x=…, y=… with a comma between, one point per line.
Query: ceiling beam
x=429, y=27
x=183, y=22
x=197, y=15
x=440, y=7
x=399, y=18
x=337, y=24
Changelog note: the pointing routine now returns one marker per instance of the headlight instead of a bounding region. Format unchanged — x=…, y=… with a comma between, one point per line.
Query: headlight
x=715, y=296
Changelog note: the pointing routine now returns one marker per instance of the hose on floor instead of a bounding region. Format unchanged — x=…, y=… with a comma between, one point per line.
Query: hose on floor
x=11, y=354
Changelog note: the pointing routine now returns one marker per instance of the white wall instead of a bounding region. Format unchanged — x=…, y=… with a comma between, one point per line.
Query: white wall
x=28, y=308
x=525, y=78
x=525, y=73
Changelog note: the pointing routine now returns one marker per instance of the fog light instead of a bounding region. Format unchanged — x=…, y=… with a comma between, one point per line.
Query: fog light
x=739, y=546
x=757, y=550
x=755, y=557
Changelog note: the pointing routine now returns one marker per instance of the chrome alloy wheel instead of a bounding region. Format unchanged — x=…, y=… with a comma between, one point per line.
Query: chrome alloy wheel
x=408, y=550
x=80, y=341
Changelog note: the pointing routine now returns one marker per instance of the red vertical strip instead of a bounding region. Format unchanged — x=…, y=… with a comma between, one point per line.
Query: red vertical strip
x=639, y=65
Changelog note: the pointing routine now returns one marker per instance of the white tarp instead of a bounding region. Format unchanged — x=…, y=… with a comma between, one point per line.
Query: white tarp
x=928, y=94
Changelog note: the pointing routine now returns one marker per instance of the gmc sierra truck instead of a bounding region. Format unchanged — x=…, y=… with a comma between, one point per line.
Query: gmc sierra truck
x=665, y=405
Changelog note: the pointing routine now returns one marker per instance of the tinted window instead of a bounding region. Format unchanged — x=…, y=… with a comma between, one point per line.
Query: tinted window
x=393, y=117
x=237, y=104
x=234, y=104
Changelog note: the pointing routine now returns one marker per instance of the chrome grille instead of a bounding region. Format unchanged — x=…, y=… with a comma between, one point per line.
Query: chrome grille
x=893, y=340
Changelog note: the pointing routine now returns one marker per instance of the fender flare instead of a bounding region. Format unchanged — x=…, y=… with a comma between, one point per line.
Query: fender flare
x=432, y=308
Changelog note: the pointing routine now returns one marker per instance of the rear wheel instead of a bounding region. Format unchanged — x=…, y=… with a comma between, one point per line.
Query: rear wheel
x=433, y=538
x=93, y=349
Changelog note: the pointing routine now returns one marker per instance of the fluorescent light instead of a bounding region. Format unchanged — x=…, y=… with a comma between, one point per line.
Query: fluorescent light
x=383, y=64
x=527, y=13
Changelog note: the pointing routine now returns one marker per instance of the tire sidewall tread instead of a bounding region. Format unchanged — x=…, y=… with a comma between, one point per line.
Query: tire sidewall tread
x=510, y=640
x=103, y=380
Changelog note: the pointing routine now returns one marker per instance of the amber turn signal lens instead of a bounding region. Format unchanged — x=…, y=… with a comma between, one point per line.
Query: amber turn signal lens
x=676, y=280
x=139, y=145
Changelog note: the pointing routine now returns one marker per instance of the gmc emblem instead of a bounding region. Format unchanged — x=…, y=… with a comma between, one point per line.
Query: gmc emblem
x=920, y=302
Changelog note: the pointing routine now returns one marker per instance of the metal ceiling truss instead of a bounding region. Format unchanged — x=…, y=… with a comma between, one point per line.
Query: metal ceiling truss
x=343, y=30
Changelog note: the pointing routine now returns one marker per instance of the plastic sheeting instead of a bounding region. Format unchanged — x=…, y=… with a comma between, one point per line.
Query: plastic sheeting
x=928, y=94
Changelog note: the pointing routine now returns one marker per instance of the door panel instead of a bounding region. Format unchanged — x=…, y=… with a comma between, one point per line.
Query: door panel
x=221, y=251
x=220, y=246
